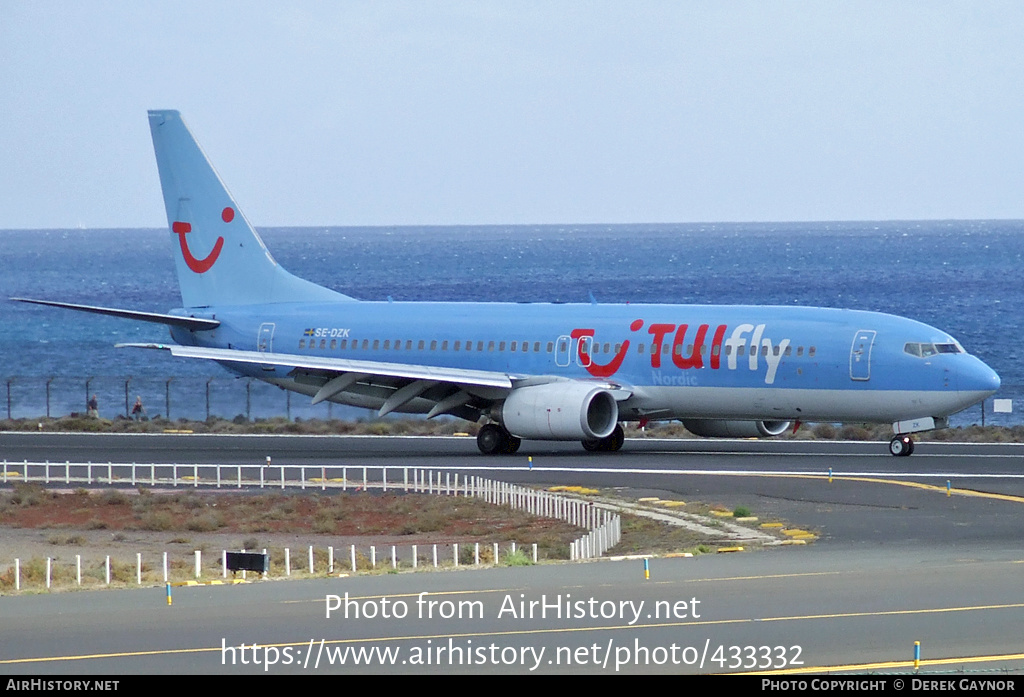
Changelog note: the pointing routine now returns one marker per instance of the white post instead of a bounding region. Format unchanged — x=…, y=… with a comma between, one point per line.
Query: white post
x=302, y=471
x=48, y=572
x=218, y=476
x=534, y=552
x=224, y=563
x=311, y=560
x=165, y=567
x=495, y=552
x=323, y=479
x=17, y=574
x=239, y=476
x=415, y=553
x=373, y=556
x=353, y=554
x=455, y=553
x=435, y=556
x=384, y=477
x=138, y=568
x=364, y=479
x=282, y=476
x=108, y=569
x=195, y=476
x=287, y=562
x=330, y=560
x=199, y=562
x=394, y=557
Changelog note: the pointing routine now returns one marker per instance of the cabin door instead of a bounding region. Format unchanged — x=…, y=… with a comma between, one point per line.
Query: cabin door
x=563, y=351
x=265, y=341
x=860, y=355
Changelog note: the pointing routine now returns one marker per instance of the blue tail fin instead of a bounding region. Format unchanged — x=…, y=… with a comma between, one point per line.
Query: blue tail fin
x=219, y=258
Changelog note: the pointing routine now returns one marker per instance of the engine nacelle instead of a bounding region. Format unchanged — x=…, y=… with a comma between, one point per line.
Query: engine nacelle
x=713, y=428
x=559, y=411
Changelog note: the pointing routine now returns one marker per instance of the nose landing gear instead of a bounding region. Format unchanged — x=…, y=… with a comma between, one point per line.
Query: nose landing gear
x=901, y=445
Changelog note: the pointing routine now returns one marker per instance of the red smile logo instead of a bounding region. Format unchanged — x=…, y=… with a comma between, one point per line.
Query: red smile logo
x=199, y=265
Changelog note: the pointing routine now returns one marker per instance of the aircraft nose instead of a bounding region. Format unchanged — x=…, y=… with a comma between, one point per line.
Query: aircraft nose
x=977, y=378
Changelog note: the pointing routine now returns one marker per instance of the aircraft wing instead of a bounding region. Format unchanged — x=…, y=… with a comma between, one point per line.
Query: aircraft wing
x=408, y=381
x=462, y=376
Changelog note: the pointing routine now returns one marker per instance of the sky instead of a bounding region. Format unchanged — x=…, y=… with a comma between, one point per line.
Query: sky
x=478, y=112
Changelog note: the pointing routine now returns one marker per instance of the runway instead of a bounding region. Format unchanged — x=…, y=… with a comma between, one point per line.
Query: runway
x=896, y=563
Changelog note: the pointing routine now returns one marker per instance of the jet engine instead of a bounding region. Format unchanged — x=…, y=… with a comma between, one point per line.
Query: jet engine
x=559, y=411
x=714, y=428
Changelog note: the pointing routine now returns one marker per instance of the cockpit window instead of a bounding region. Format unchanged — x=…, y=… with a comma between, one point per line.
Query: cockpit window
x=925, y=350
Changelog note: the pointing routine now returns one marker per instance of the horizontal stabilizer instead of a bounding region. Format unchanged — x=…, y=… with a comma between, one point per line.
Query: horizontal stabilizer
x=191, y=323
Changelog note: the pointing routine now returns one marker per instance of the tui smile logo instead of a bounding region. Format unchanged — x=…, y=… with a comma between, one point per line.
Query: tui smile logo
x=200, y=265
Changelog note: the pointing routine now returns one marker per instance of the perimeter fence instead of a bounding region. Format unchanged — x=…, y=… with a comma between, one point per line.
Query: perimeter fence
x=169, y=397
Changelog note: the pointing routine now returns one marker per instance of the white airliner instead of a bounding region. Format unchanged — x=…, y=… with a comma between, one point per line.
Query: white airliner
x=538, y=371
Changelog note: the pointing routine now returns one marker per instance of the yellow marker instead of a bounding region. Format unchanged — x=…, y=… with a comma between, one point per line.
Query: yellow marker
x=168, y=594
x=917, y=655
x=647, y=570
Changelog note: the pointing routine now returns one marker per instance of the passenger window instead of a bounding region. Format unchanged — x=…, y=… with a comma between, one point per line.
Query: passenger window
x=501, y=345
x=458, y=344
x=514, y=345
x=334, y=344
x=420, y=345
x=433, y=345
x=551, y=346
x=480, y=346
x=302, y=343
x=344, y=343
x=387, y=344
x=741, y=349
x=799, y=351
x=444, y=345
x=490, y=346
x=811, y=351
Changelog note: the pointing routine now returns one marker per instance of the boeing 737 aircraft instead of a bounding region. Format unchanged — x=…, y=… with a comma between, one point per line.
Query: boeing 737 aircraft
x=538, y=371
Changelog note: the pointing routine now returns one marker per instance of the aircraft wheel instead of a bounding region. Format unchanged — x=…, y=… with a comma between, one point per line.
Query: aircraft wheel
x=616, y=439
x=901, y=446
x=512, y=444
x=491, y=439
x=608, y=444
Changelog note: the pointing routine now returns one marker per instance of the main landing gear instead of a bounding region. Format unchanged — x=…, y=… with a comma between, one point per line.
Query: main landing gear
x=609, y=444
x=901, y=446
x=496, y=440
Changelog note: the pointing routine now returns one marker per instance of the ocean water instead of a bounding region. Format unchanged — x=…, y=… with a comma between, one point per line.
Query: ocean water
x=961, y=276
